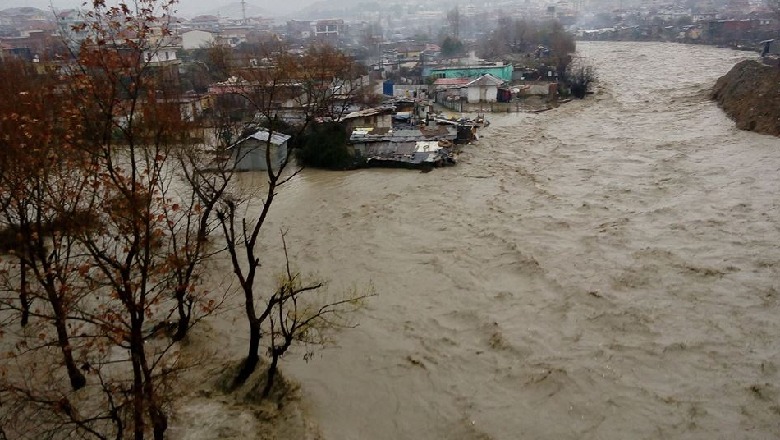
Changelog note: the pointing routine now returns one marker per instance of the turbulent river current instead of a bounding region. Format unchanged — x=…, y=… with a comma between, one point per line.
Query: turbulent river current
x=609, y=269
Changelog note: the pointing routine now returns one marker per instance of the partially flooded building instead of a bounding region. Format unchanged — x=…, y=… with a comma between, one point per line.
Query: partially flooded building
x=249, y=154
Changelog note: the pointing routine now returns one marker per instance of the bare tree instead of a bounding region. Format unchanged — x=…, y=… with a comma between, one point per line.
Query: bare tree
x=112, y=236
x=151, y=241
x=453, y=20
x=321, y=84
x=107, y=217
x=294, y=317
x=42, y=201
x=774, y=6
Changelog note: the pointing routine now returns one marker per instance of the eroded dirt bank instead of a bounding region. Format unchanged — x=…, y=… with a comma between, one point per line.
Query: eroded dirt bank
x=750, y=94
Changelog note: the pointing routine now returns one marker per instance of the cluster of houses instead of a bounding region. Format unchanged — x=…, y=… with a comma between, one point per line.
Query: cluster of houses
x=736, y=23
x=33, y=32
x=357, y=26
x=401, y=133
x=738, y=33
x=404, y=131
x=470, y=86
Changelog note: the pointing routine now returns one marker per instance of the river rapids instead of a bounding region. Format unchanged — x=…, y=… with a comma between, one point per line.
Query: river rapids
x=609, y=269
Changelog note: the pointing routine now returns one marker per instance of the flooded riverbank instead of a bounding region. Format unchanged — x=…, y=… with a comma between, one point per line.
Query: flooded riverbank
x=607, y=269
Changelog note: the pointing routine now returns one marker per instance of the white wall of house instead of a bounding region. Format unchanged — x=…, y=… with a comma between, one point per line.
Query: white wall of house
x=250, y=155
x=191, y=109
x=408, y=91
x=482, y=93
x=160, y=55
x=540, y=88
x=375, y=121
x=196, y=39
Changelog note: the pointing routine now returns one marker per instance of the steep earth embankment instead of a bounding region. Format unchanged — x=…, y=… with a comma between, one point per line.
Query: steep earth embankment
x=750, y=94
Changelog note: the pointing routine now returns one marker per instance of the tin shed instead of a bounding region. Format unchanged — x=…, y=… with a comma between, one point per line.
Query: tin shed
x=249, y=153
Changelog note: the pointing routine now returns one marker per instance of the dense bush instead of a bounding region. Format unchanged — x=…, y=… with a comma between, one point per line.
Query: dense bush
x=451, y=47
x=323, y=146
x=579, y=79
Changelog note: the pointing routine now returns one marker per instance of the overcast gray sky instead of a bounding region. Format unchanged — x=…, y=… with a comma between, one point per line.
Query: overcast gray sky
x=185, y=7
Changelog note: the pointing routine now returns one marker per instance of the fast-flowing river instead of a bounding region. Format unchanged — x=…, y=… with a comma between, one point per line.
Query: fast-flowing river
x=609, y=269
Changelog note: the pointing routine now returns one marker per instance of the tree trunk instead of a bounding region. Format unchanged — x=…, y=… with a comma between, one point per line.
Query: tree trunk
x=271, y=375
x=184, y=315
x=143, y=385
x=77, y=380
x=25, y=302
x=157, y=416
x=160, y=424
x=136, y=349
x=182, y=327
x=253, y=358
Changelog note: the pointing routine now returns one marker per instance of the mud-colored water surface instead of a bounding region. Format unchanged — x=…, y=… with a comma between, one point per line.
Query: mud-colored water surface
x=609, y=269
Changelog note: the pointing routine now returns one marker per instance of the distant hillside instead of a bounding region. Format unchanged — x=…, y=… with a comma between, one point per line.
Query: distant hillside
x=750, y=94
x=23, y=11
x=265, y=8
x=332, y=9
x=233, y=10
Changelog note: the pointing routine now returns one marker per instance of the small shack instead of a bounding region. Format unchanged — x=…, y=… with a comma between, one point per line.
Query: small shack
x=421, y=146
x=484, y=88
x=381, y=117
x=249, y=153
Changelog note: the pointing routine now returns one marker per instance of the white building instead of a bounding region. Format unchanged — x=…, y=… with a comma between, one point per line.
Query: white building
x=160, y=56
x=196, y=39
x=249, y=153
x=161, y=50
x=483, y=89
x=328, y=28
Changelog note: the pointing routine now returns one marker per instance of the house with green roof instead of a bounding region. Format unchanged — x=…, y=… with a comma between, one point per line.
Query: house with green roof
x=503, y=72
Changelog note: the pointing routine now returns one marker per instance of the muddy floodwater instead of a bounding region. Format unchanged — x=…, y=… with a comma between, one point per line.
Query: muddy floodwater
x=606, y=270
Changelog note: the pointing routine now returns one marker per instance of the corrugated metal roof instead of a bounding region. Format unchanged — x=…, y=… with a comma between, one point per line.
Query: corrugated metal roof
x=363, y=135
x=451, y=82
x=262, y=136
x=475, y=67
x=485, y=80
x=368, y=112
x=414, y=153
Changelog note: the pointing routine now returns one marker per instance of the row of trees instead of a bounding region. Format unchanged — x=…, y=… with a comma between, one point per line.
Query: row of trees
x=774, y=6
x=109, y=213
x=523, y=37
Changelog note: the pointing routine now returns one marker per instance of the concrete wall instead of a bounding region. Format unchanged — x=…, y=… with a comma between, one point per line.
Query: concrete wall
x=534, y=88
x=407, y=91
x=375, y=121
x=160, y=55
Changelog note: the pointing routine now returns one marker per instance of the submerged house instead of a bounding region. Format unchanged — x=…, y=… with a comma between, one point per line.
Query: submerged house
x=419, y=147
x=381, y=117
x=249, y=153
x=418, y=154
x=481, y=89
x=450, y=89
